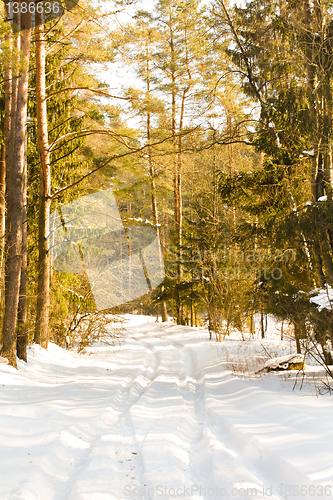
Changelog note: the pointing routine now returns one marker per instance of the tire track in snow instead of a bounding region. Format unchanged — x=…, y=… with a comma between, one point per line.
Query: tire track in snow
x=244, y=468
x=240, y=459
x=178, y=442
x=120, y=443
x=162, y=427
x=199, y=456
x=169, y=422
x=112, y=451
x=243, y=461
x=218, y=465
x=179, y=462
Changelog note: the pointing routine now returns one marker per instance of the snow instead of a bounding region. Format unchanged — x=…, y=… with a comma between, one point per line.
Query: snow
x=310, y=153
x=324, y=298
x=283, y=361
x=167, y=414
x=322, y=198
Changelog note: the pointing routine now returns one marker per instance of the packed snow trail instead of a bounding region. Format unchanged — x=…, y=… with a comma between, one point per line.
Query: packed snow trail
x=158, y=417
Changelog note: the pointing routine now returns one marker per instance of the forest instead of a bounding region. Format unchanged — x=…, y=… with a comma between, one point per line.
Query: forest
x=209, y=128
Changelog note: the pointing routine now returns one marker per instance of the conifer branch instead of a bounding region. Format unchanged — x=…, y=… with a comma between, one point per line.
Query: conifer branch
x=116, y=157
x=95, y=91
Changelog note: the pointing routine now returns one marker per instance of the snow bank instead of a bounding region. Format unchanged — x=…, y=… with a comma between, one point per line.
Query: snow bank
x=284, y=362
x=159, y=417
x=324, y=298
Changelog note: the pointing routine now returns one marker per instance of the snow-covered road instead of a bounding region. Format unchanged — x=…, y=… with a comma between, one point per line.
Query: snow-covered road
x=158, y=417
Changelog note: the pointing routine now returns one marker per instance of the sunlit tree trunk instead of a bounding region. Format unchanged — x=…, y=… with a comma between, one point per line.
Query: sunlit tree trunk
x=15, y=195
x=177, y=188
x=22, y=327
x=163, y=306
x=2, y=198
x=44, y=265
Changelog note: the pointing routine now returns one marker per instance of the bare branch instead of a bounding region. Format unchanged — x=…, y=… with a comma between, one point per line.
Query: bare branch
x=52, y=47
x=95, y=91
x=86, y=132
x=116, y=157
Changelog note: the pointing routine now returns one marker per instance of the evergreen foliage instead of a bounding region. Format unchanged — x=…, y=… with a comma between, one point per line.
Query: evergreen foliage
x=221, y=140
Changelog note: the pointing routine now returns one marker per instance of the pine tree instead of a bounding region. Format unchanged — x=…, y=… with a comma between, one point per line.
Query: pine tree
x=280, y=49
x=17, y=99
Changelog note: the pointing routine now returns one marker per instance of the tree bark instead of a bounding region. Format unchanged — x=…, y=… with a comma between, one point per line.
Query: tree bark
x=326, y=352
x=2, y=199
x=297, y=331
x=7, y=144
x=15, y=197
x=44, y=265
x=262, y=324
x=163, y=306
x=176, y=166
x=22, y=327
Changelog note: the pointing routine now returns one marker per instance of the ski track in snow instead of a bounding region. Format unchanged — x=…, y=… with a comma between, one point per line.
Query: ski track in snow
x=158, y=417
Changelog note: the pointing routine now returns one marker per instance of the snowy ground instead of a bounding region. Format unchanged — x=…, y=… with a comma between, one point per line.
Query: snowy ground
x=164, y=415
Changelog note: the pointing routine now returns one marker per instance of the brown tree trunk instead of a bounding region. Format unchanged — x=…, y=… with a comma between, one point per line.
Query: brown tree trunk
x=297, y=331
x=326, y=353
x=44, y=265
x=7, y=144
x=164, y=309
x=326, y=253
x=252, y=329
x=320, y=107
x=262, y=324
x=176, y=167
x=2, y=200
x=22, y=328
x=15, y=197
x=318, y=264
x=163, y=306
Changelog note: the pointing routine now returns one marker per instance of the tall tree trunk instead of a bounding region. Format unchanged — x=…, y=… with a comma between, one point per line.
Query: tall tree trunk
x=326, y=253
x=321, y=116
x=44, y=265
x=231, y=166
x=22, y=328
x=15, y=197
x=318, y=264
x=8, y=72
x=2, y=200
x=262, y=324
x=297, y=330
x=326, y=352
x=163, y=306
x=192, y=312
x=176, y=178
x=178, y=167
